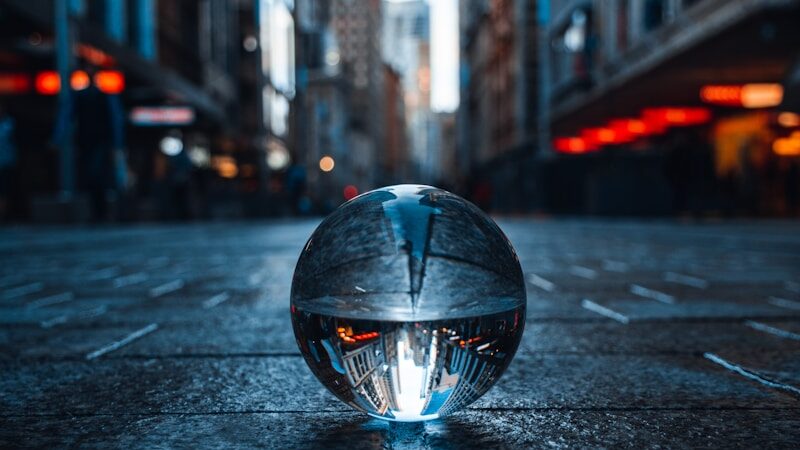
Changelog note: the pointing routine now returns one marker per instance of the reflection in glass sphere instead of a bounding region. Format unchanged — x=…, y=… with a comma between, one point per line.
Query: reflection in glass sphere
x=408, y=303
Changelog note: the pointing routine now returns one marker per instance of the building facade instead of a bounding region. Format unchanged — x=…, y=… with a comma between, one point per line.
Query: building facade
x=181, y=71
x=673, y=106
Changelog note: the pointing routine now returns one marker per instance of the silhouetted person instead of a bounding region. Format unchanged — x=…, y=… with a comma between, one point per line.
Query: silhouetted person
x=99, y=125
x=8, y=161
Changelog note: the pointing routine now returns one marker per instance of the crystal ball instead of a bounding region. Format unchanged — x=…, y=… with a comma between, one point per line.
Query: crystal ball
x=408, y=303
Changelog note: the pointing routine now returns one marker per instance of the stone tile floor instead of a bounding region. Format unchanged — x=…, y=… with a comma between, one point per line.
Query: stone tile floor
x=639, y=334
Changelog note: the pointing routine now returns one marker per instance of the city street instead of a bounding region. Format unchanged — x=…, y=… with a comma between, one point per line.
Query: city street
x=639, y=334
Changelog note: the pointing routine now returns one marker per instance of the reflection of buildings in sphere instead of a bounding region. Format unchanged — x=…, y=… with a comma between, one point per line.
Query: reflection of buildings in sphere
x=457, y=365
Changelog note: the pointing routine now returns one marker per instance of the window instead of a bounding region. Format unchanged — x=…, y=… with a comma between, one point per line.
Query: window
x=653, y=14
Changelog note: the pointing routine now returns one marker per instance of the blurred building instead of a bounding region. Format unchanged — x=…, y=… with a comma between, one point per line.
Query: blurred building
x=499, y=91
x=184, y=71
x=343, y=113
x=660, y=106
x=395, y=164
x=407, y=51
x=631, y=107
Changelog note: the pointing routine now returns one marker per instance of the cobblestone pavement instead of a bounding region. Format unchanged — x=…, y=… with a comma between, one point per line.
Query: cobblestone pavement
x=638, y=334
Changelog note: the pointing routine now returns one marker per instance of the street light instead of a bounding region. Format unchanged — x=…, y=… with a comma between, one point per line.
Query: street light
x=326, y=163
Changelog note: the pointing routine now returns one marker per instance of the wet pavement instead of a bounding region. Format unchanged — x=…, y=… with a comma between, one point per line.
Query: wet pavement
x=638, y=334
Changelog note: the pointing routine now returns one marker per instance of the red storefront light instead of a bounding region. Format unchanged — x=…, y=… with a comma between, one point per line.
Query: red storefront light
x=110, y=81
x=573, y=145
x=48, y=82
x=14, y=83
x=676, y=116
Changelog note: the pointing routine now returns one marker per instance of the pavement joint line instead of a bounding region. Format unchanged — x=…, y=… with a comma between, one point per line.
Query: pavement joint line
x=166, y=288
x=652, y=294
x=614, y=266
x=541, y=283
x=51, y=300
x=258, y=277
x=104, y=274
x=772, y=330
x=686, y=280
x=583, y=272
x=216, y=300
x=750, y=374
x=603, y=311
x=64, y=318
x=127, y=280
x=784, y=303
x=122, y=342
x=22, y=290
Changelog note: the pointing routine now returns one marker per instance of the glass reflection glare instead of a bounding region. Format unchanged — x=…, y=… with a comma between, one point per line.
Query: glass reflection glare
x=408, y=303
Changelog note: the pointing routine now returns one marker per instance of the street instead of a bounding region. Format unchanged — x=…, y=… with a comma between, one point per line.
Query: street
x=639, y=334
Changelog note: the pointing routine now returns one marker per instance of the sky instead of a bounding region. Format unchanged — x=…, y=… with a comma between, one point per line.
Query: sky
x=444, y=55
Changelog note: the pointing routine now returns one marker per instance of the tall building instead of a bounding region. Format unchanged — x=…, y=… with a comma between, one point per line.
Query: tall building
x=407, y=51
x=395, y=163
x=357, y=26
x=497, y=129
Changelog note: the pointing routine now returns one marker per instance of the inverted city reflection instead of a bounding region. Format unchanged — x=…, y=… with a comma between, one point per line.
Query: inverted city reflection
x=408, y=303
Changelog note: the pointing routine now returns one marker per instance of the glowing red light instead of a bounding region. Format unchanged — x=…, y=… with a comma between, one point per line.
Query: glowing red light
x=675, y=116
x=47, y=82
x=574, y=145
x=633, y=128
x=110, y=81
x=14, y=83
x=727, y=95
x=350, y=192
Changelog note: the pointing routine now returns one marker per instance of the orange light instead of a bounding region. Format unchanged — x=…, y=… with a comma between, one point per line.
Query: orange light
x=788, y=146
x=753, y=95
x=47, y=82
x=326, y=164
x=762, y=95
x=110, y=81
x=350, y=192
x=225, y=166
x=79, y=80
x=14, y=83
x=789, y=119
x=574, y=145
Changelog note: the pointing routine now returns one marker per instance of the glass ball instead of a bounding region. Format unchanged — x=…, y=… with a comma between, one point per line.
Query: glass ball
x=408, y=303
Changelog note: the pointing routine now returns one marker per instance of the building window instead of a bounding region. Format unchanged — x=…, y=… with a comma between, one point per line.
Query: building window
x=653, y=13
x=622, y=25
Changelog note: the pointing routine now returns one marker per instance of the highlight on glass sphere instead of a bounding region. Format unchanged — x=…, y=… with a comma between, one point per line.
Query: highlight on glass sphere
x=408, y=303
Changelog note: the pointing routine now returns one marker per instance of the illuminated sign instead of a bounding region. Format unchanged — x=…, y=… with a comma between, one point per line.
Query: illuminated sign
x=162, y=115
x=753, y=95
x=111, y=82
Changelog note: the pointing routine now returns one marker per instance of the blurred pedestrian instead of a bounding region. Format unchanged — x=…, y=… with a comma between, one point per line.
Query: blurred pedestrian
x=8, y=161
x=100, y=138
